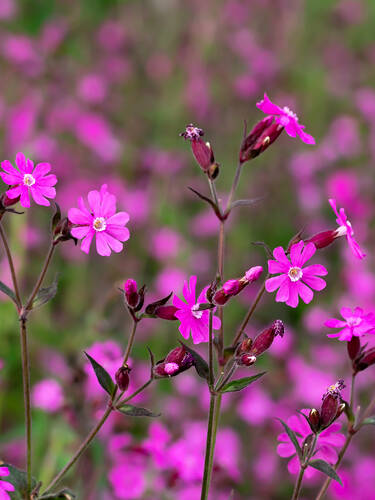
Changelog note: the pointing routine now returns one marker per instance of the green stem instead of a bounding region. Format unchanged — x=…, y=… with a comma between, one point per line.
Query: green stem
x=26, y=399
x=131, y=342
x=304, y=465
x=42, y=275
x=352, y=391
x=213, y=422
x=213, y=192
x=220, y=270
x=236, y=180
x=135, y=393
x=11, y=267
x=210, y=351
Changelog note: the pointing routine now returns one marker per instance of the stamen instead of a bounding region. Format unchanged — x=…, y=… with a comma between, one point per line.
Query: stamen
x=295, y=273
x=195, y=311
x=99, y=224
x=28, y=180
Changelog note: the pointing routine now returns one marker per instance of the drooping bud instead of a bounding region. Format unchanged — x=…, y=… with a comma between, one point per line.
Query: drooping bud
x=234, y=287
x=131, y=292
x=331, y=402
x=166, y=312
x=365, y=360
x=314, y=419
x=122, y=378
x=259, y=139
x=177, y=361
x=354, y=346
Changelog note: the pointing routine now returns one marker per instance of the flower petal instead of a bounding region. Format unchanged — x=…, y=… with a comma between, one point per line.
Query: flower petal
x=273, y=283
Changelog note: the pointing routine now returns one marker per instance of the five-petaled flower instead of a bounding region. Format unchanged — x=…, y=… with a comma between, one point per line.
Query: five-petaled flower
x=5, y=486
x=26, y=180
x=101, y=221
x=356, y=323
x=295, y=280
x=193, y=319
x=346, y=229
x=286, y=118
x=328, y=441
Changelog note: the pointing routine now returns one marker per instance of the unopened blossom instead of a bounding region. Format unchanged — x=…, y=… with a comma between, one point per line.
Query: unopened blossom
x=356, y=323
x=27, y=179
x=346, y=229
x=5, y=486
x=286, y=118
x=193, y=320
x=233, y=287
x=101, y=221
x=327, y=445
x=295, y=280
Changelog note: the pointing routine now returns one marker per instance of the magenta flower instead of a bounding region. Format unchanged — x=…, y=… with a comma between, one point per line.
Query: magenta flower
x=101, y=221
x=328, y=442
x=192, y=319
x=286, y=118
x=28, y=180
x=347, y=230
x=4, y=485
x=295, y=280
x=356, y=324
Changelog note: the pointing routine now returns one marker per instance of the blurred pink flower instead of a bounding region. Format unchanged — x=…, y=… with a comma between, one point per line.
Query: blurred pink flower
x=285, y=117
x=294, y=278
x=92, y=88
x=165, y=243
x=101, y=221
x=5, y=486
x=192, y=319
x=347, y=229
x=328, y=441
x=28, y=180
x=356, y=324
x=48, y=395
x=128, y=480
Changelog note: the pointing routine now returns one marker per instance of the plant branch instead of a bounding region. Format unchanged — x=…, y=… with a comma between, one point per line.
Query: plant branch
x=42, y=275
x=11, y=267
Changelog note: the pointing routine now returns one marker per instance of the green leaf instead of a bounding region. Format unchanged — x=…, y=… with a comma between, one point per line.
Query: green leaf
x=241, y=383
x=200, y=364
x=324, y=467
x=136, y=411
x=64, y=494
x=5, y=289
x=18, y=478
x=369, y=421
x=45, y=295
x=102, y=375
x=292, y=437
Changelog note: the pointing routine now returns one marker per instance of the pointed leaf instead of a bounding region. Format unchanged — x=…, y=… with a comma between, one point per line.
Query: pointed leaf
x=307, y=419
x=369, y=421
x=64, y=494
x=200, y=364
x=152, y=361
x=292, y=437
x=151, y=308
x=136, y=411
x=324, y=467
x=241, y=383
x=45, y=295
x=102, y=375
x=208, y=200
x=56, y=216
x=5, y=289
x=18, y=478
x=246, y=203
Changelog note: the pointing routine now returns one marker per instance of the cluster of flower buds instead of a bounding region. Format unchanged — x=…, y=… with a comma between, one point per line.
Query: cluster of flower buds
x=234, y=287
x=360, y=357
x=331, y=409
x=122, y=377
x=202, y=151
x=177, y=361
x=259, y=139
x=134, y=298
x=249, y=350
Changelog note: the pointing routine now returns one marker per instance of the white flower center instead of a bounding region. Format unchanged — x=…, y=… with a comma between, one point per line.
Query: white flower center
x=354, y=321
x=290, y=113
x=195, y=311
x=99, y=224
x=28, y=180
x=295, y=273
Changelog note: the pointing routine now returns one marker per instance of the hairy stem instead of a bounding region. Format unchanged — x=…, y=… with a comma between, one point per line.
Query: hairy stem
x=130, y=342
x=210, y=351
x=220, y=271
x=236, y=180
x=11, y=267
x=26, y=398
x=42, y=275
x=352, y=391
x=304, y=465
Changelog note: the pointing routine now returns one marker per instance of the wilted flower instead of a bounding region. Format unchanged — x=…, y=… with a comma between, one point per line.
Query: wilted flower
x=286, y=118
x=347, y=230
x=202, y=151
x=5, y=486
x=357, y=323
x=294, y=279
x=28, y=180
x=101, y=221
x=193, y=318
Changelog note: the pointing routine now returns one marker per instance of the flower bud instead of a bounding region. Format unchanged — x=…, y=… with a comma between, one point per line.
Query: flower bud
x=354, y=346
x=331, y=403
x=264, y=340
x=122, y=378
x=314, y=419
x=246, y=359
x=177, y=361
x=365, y=360
x=253, y=273
x=325, y=238
x=259, y=139
x=131, y=293
x=234, y=287
x=203, y=153
x=6, y=202
x=62, y=231
x=166, y=312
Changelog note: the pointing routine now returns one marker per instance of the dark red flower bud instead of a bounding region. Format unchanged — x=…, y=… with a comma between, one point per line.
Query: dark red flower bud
x=166, y=312
x=260, y=138
x=246, y=359
x=177, y=361
x=122, y=378
x=62, y=231
x=354, y=346
x=245, y=346
x=6, y=202
x=234, y=287
x=314, y=419
x=131, y=292
x=365, y=360
x=331, y=402
x=203, y=153
x=264, y=340
x=325, y=238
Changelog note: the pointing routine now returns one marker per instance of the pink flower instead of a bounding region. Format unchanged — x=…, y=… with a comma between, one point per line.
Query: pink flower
x=293, y=280
x=4, y=485
x=328, y=441
x=27, y=179
x=101, y=220
x=356, y=324
x=192, y=319
x=285, y=117
x=347, y=230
